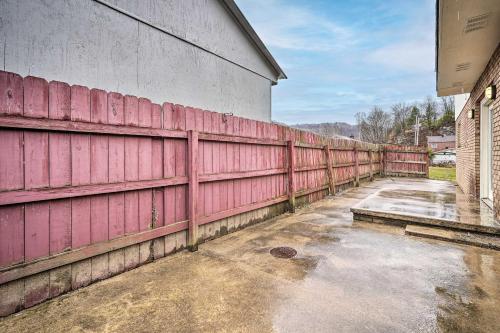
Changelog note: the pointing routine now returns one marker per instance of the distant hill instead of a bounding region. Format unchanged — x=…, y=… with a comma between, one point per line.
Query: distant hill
x=331, y=129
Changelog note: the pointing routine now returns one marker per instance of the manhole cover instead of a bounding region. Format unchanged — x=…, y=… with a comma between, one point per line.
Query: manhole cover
x=283, y=252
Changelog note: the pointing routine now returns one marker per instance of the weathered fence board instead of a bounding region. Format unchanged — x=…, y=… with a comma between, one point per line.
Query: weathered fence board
x=406, y=161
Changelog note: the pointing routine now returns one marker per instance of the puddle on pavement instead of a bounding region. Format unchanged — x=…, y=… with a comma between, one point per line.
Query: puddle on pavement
x=474, y=306
x=426, y=196
x=431, y=199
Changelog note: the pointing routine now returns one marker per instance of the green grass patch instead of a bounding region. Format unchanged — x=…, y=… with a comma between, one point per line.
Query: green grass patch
x=440, y=173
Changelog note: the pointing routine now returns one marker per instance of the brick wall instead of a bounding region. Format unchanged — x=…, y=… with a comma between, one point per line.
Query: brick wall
x=467, y=149
x=468, y=138
x=438, y=146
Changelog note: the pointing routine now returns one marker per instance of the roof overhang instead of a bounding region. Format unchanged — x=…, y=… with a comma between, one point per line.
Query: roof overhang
x=243, y=22
x=467, y=34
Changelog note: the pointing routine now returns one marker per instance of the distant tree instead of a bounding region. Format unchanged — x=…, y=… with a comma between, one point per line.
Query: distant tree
x=375, y=126
x=447, y=104
x=415, y=111
x=429, y=113
x=401, y=116
x=407, y=136
x=447, y=119
x=397, y=125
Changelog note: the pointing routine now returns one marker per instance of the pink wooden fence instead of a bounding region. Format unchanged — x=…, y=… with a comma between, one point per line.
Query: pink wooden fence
x=84, y=172
x=406, y=161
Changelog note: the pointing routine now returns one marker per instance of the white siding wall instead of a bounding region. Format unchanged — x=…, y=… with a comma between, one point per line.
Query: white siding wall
x=84, y=42
x=460, y=101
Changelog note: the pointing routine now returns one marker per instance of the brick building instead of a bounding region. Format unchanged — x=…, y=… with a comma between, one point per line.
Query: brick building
x=468, y=61
x=441, y=142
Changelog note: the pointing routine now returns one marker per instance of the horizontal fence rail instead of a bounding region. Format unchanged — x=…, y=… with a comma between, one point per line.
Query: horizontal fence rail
x=85, y=172
x=406, y=161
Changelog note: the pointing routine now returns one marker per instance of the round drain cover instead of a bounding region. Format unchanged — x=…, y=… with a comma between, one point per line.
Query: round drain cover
x=283, y=252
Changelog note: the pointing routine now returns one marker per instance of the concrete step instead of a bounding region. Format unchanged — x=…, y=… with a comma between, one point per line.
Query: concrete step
x=403, y=219
x=462, y=237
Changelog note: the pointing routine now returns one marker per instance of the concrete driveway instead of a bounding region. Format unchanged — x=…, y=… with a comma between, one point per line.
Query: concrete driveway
x=345, y=278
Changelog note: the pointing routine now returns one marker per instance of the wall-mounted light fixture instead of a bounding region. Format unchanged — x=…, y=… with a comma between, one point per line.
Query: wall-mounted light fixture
x=470, y=114
x=491, y=92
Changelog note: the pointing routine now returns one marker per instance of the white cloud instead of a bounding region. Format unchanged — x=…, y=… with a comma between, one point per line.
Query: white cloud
x=412, y=56
x=413, y=47
x=285, y=26
x=342, y=58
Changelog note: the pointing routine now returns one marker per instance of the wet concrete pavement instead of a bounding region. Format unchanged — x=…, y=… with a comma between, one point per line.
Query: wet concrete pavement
x=345, y=278
x=429, y=198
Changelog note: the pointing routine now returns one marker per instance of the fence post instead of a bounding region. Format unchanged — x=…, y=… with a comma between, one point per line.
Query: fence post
x=381, y=161
x=333, y=161
x=291, y=170
x=427, y=164
x=193, y=190
x=356, y=167
x=370, y=154
x=331, y=179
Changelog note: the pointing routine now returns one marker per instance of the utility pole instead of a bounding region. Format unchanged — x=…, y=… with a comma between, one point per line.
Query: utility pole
x=417, y=129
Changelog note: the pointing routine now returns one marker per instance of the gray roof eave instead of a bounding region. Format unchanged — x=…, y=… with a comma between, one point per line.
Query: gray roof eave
x=245, y=25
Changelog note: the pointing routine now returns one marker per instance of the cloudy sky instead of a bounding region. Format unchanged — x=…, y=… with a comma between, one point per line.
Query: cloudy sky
x=342, y=57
